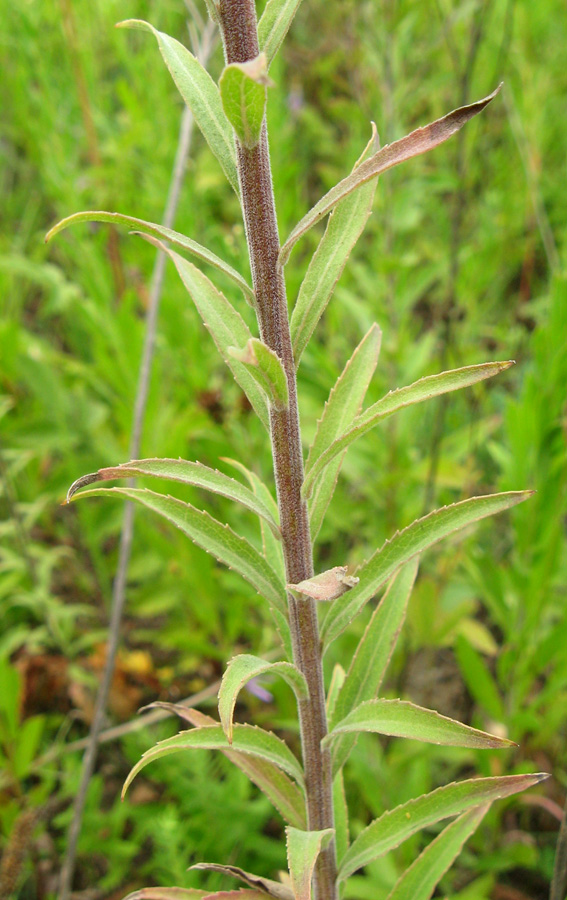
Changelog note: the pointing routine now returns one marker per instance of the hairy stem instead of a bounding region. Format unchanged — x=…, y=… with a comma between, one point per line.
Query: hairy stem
x=239, y=30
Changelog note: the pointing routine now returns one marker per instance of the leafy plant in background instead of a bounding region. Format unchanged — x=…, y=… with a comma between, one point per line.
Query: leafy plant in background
x=308, y=795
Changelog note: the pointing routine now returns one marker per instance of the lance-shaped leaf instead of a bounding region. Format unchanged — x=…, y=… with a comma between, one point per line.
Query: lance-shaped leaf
x=326, y=586
x=237, y=894
x=225, y=324
x=400, y=718
x=344, y=228
x=343, y=405
x=246, y=739
x=166, y=893
x=406, y=544
x=303, y=848
x=283, y=794
x=397, y=825
x=201, y=95
x=265, y=885
x=266, y=369
x=243, y=90
x=273, y=549
x=157, y=231
x=217, y=539
x=274, y=25
x=424, y=389
x=244, y=667
x=420, y=880
x=340, y=807
x=193, y=473
x=368, y=666
x=337, y=681
x=419, y=141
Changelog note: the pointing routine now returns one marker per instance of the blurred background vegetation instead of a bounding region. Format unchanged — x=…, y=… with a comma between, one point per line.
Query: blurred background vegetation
x=462, y=261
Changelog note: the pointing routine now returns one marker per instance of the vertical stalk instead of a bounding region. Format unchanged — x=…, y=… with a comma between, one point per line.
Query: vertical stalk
x=239, y=30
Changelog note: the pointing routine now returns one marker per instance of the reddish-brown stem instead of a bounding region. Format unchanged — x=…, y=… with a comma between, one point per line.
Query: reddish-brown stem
x=239, y=30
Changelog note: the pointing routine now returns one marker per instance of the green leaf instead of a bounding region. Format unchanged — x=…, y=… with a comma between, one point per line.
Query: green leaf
x=344, y=228
x=158, y=231
x=343, y=405
x=217, y=539
x=166, y=893
x=225, y=324
x=193, y=473
x=201, y=95
x=246, y=739
x=240, y=670
x=273, y=549
x=400, y=718
x=337, y=681
x=340, y=807
x=265, y=885
x=364, y=677
x=274, y=25
x=243, y=90
x=424, y=389
x=283, y=794
x=406, y=544
x=419, y=141
x=397, y=825
x=303, y=848
x=266, y=369
x=419, y=881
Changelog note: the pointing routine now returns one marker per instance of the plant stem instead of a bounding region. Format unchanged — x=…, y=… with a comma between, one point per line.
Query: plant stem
x=239, y=30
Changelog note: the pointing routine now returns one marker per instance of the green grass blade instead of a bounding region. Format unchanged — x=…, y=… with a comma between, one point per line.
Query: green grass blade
x=274, y=25
x=226, y=326
x=406, y=544
x=400, y=718
x=247, y=739
x=193, y=473
x=424, y=389
x=419, y=141
x=201, y=95
x=344, y=228
x=343, y=405
x=217, y=539
x=420, y=880
x=158, y=231
x=397, y=825
x=240, y=670
x=303, y=848
x=265, y=367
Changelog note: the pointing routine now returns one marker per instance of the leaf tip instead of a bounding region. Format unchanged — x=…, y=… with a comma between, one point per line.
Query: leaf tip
x=81, y=482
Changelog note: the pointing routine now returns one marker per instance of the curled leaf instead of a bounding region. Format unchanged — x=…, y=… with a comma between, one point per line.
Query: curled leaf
x=266, y=368
x=327, y=586
x=243, y=95
x=265, y=885
x=303, y=848
x=244, y=667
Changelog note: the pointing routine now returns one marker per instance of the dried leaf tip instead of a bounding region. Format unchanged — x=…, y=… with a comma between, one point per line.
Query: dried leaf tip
x=327, y=586
x=81, y=482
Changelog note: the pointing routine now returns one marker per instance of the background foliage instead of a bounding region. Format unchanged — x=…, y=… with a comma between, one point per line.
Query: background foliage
x=461, y=261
